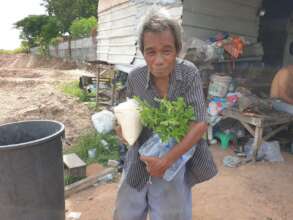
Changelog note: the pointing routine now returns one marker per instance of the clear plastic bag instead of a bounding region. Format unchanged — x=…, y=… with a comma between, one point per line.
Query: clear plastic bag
x=128, y=117
x=103, y=121
x=269, y=151
x=154, y=147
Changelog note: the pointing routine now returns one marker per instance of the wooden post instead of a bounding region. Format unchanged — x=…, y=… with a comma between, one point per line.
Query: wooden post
x=98, y=86
x=257, y=141
x=113, y=88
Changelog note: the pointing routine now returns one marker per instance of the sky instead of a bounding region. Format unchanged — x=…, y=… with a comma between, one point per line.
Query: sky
x=12, y=11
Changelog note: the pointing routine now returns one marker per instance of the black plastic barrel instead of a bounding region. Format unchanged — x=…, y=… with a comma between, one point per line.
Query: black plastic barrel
x=31, y=171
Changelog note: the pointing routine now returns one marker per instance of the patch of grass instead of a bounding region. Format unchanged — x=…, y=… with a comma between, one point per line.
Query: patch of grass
x=15, y=51
x=71, y=179
x=91, y=105
x=106, y=146
x=73, y=89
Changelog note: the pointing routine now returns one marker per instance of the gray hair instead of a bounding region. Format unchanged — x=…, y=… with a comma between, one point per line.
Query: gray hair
x=157, y=21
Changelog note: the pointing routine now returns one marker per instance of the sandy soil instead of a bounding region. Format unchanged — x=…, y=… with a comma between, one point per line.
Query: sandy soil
x=261, y=191
x=30, y=91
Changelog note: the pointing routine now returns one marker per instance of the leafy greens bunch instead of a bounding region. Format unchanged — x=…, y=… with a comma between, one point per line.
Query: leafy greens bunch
x=170, y=120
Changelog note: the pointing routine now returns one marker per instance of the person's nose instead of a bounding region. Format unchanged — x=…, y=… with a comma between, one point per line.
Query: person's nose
x=159, y=59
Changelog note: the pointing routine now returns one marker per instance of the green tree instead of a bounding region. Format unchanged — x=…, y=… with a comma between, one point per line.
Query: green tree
x=82, y=27
x=38, y=29
x=31, y=27
x=67, y=11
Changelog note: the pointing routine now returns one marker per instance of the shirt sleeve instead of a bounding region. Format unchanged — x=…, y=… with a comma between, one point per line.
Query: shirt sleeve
x=195, y=97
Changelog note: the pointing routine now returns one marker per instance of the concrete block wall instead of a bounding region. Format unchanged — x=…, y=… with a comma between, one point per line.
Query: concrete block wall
x=84, y=49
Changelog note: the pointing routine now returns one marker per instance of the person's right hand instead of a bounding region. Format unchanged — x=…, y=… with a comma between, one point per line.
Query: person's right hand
x=118, y=131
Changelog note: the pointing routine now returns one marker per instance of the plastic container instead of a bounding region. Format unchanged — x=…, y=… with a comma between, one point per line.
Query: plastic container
x=156, y=148
x=92, y=153
x=31, y=167
x=219, y=85
x=225, y=139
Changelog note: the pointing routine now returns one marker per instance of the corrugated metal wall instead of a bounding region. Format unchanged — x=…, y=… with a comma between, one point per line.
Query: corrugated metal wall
x=117, y=31
x=107, y=4
x=117, y=28
x=116, y=35
x=205, y=18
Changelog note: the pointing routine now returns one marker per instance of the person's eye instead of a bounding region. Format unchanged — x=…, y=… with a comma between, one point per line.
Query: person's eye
x=167, y=52
x=150, y=53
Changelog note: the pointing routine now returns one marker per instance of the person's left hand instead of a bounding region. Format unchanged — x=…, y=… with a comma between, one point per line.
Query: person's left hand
x=155, y=166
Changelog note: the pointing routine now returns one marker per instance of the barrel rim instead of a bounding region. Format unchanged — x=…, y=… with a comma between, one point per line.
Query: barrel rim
x=34, y=142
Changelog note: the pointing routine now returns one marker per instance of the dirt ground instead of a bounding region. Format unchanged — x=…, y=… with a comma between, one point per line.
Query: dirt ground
x=29, y=90
x=261, y=191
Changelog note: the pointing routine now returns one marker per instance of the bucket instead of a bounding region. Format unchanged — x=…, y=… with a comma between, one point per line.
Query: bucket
x=31, y=171
x=219, y=85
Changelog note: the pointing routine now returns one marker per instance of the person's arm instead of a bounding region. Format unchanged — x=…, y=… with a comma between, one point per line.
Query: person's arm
x=284, y=84
x=158, y=166
x=285, y=97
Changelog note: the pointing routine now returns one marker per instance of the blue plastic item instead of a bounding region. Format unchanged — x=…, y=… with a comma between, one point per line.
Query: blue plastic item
x=154, y=147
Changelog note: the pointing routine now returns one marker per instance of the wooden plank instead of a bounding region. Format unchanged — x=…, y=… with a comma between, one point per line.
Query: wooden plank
x=222, y=8
x=251, y=3
x=107, y=4
x=248, y=128
x=219, y=23
x=121, y=16
x=72, y=161
x=87, y=182
x=277, y=121
x=272, y=133
x=117, y=23
x=257, y=141
x=123, y=31
x=117, y=41
x=238, y=116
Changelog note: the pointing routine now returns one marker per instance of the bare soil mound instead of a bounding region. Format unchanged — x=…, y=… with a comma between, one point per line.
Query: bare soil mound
x=33, y=61
x=29, y=93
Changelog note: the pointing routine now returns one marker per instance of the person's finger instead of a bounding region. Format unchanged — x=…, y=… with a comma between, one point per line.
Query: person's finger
x=146, y=159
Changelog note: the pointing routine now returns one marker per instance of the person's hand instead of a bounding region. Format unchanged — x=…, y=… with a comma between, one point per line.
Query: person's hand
x=118, y=131
x=155, y=166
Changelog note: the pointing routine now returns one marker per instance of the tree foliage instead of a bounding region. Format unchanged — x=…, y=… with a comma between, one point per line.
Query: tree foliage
x=38, y=30
x=67, y=11
x=82, y=27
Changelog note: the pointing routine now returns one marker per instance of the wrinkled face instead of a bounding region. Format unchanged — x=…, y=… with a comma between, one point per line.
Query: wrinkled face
x=160, y=53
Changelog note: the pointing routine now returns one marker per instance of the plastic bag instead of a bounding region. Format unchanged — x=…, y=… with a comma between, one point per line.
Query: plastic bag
x=154, y=147
x=103, y=121
x=269, y=151
x=200, y=52
x=129, y=119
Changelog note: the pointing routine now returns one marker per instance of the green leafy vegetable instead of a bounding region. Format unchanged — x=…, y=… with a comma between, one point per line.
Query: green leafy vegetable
x=170, y=120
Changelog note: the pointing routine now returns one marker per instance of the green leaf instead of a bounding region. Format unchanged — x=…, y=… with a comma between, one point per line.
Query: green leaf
x=170, y=120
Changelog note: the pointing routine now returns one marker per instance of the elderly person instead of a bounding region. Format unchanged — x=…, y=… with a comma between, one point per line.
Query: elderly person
x=164, y=76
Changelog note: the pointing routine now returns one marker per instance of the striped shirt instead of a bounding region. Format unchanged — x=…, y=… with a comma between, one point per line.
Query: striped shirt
x=184, y=82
